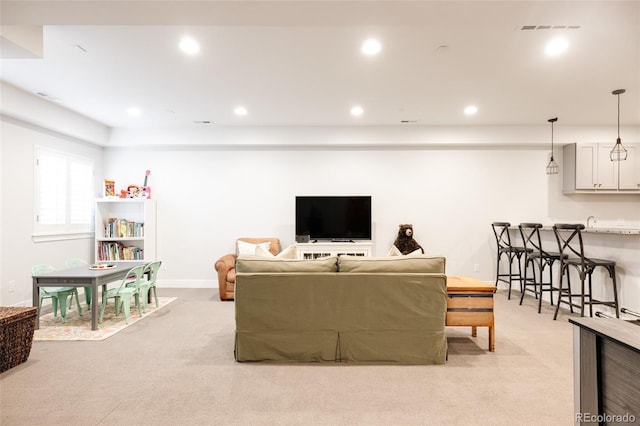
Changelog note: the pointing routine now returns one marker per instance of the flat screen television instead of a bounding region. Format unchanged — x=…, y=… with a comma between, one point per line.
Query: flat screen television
x=340, y=218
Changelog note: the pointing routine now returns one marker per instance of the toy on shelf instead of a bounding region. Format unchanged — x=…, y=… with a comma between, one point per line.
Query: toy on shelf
x=137, y=191
x=146, y=190
x=134, y=191
x=109, y=188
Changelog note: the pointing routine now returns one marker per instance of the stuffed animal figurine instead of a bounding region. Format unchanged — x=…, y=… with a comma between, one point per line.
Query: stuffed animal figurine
x=405, y=242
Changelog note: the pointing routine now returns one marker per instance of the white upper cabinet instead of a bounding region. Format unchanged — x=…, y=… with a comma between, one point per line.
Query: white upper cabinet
x=588, y=169
x=630, y=169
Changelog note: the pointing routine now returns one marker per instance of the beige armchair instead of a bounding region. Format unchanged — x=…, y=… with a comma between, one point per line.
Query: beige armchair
x=226, y=266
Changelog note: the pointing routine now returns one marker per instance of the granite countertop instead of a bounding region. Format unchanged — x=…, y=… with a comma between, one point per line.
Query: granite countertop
x=620, y=231
x=627, y=231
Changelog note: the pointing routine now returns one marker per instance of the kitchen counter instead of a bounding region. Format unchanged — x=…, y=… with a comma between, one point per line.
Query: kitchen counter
x=626, y=231
x=620, y=231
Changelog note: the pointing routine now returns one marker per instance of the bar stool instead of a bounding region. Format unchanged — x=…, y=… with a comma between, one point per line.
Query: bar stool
x=503, y=241
x=539, y=259
x=569, y=239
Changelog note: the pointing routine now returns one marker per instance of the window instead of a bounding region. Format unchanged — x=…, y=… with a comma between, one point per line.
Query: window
x=65, y=192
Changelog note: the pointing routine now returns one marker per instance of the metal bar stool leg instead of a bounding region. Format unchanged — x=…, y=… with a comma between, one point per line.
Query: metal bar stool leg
x=511, y=256
x=612, y=274
x=528, y=261
x=551, y=281
x=519, y=256
x=563, y=268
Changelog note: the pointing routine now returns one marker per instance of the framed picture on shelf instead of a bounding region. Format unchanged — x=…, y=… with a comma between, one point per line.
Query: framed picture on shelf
x=109, y=188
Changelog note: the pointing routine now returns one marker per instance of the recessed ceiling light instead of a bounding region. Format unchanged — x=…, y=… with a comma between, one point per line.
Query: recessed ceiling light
x=242, y=111
x=134, y=111
x=357, y=111
x=556, y=46
x=371, y=47
x=189, y=46
x=470, y=110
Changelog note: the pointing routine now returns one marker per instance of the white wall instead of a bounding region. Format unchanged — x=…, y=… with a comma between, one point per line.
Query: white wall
x=208, y=197
x=17, y=174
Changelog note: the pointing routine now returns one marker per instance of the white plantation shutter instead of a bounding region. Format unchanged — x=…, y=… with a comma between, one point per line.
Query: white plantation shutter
x=52, y=187
x=81, y=193
x=64, y=193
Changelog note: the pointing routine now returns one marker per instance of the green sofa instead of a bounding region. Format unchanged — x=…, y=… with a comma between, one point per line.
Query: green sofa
x=341, y=309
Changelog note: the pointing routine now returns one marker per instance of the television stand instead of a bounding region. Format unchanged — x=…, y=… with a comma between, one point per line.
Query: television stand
x=319, y=249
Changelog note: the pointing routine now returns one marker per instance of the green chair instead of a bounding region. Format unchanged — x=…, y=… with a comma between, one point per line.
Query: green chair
x=73, y=263
x=151, y=270
x=123, y=294
x=58, y=296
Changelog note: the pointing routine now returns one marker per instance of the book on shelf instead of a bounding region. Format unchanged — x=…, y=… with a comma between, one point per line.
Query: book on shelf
x=122, y=228
x=108, y=250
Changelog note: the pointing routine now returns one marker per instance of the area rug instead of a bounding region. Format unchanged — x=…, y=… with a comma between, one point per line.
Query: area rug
x=78, y=327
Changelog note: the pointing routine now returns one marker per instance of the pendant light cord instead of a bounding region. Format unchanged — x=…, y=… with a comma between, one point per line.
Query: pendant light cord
x=552, y=120
x=618, y=141
x=552, y=139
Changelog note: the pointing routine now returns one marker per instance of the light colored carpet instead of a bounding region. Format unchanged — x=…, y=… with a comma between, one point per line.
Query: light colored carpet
x=78, y=327
x=177, y=368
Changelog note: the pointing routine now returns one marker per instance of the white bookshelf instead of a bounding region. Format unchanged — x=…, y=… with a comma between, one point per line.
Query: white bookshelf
x=125, y=229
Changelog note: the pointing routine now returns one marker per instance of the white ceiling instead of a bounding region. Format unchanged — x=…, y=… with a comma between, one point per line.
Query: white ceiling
x=298, y=63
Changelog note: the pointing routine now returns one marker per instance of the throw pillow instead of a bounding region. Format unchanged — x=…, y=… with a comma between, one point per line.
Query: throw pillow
x=290, y=252
x=249, y=248
x=395, y=252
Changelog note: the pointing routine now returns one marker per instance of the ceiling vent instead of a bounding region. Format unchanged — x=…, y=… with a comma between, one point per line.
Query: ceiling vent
x=203, y=122
x=48, y=97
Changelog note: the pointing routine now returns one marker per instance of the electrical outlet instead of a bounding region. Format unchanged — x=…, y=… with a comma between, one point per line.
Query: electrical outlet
x=476, y=267
x=12, y=286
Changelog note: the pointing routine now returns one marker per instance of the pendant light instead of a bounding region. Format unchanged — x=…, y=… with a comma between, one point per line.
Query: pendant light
x=618, y=153
x=552, y=167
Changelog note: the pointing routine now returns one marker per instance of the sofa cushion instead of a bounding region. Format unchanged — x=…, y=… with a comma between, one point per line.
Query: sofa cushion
x=404, y=264
x=251, y=263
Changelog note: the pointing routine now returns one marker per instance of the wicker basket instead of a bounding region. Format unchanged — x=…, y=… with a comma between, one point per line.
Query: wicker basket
x=16, y=335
